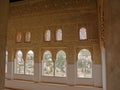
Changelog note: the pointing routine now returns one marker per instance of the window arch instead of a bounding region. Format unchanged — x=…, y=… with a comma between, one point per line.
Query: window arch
x=47, y=64
x=27, y=36
x=29, y=63
x=59, y=35
x=6, y=62
x=19, y=62
x=83, y=33
x=60, y=64
x=84, y=64
x=48, y=35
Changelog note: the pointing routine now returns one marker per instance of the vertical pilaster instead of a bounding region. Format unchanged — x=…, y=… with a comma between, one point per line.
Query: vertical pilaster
x=3, y=33
x=112, y=44
x=36, y=65
x=71, y=72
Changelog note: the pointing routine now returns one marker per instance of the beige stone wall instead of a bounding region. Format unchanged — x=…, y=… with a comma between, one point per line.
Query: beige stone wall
x=69, y=16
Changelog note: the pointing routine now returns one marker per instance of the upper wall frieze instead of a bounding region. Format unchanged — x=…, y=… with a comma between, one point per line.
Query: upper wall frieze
x=51, y=5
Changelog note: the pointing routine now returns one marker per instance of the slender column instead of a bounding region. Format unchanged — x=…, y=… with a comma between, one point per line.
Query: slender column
x=36, y=65
x=10, y=64
x=3, y=33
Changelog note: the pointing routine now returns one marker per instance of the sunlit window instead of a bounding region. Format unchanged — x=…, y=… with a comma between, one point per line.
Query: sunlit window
x=60, y=64
x=27, y=36
x=29, y=63
x=84, y=64
x=6, y=62
x=83, y=34
x=19, y=63
x=59, y=35
x=48, y=35
x=18, y=37
x=47, y=64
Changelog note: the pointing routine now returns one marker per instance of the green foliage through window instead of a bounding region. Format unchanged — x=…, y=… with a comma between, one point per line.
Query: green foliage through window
x=84, y=64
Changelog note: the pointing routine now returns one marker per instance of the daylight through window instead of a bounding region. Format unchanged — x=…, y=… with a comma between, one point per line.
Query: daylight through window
x=19, y=63
x=48, y=35
x=59, y=35
x=29, y=63
x=47, y=64
x=60, y=64
x=6, y=62
x=83, y=34
x=84, y=64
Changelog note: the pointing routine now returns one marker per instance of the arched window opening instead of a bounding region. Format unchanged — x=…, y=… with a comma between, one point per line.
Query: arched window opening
x=60, y=64
x=48, y=35
x=18, y=37
x=19, y=63
x=59, y=35
x=27, y=36
x=47, y=64
x=83, y=34
x=6, y=62
x=29, y=63
x=84, y=64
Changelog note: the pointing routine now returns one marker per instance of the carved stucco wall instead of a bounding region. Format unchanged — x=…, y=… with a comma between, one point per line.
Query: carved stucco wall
x=69, y=15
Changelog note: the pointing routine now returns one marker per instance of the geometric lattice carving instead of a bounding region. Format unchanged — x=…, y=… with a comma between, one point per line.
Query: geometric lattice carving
x=27, y=36
x=59, y=35
x=83, y=34
x=48, y=35
x=19, y=37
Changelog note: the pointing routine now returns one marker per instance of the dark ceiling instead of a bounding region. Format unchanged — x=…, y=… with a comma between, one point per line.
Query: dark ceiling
x=15, y=1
